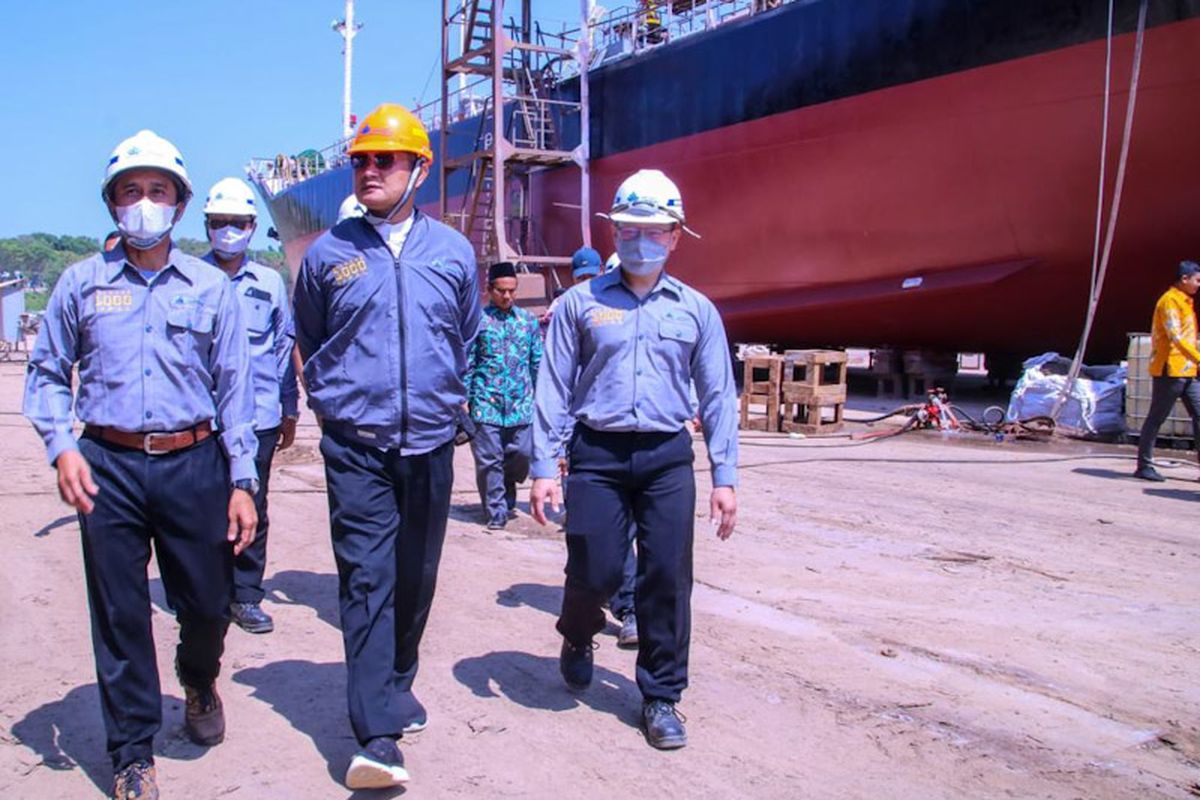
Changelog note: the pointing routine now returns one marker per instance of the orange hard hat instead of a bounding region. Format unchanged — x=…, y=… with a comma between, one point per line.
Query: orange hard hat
x=391, y=128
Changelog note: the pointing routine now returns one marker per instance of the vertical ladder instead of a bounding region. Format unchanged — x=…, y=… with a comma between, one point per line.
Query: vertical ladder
x=517, y=133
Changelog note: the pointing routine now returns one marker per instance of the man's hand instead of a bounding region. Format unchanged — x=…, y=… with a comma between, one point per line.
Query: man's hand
x=723, y=507
x=563, y=469
x=243, y=520
x=544, y=489
x=75, y=485
x=287, y=433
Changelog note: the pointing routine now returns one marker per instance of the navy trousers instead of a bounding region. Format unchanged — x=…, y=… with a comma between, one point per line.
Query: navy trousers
x=621, y=603
x=646, y=479
x=1164, y=393
x=250, y=565
x=501, y=462
x=177, y=504
x=387, y=516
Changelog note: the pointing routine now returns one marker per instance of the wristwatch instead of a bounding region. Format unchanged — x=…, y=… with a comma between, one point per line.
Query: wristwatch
x=247, y=485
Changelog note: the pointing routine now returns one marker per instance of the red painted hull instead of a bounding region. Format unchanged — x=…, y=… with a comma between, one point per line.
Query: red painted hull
x=982, y=183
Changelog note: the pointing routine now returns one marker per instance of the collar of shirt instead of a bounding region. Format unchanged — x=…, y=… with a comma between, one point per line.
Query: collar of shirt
x=611, y=280
x=1180, y=295
x=244, y=271
x=394, y=234
x=176, y=260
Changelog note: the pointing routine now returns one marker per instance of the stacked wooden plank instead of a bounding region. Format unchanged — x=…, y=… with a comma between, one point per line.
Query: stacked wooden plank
x=813, y=391
x=800, y=391
x=761, y=388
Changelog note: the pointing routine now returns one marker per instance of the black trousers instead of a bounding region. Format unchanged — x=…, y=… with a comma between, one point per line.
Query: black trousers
x=250, y=565
x=646, y=479
x=1164, y=393
x=177, y=504
x=387, y=516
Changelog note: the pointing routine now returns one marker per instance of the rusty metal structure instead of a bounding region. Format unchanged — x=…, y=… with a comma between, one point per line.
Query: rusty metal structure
x=502, y=75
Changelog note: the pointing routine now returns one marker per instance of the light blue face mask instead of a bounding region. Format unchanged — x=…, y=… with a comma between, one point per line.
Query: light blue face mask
x=642, y=255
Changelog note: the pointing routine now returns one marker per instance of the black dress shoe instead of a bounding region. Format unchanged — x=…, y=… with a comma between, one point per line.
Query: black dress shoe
x=1149, y=473
x=251, y=618
x=575, y=664
x=663, y=725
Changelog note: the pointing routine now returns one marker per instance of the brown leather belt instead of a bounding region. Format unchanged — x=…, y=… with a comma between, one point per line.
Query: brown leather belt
x=154, y=444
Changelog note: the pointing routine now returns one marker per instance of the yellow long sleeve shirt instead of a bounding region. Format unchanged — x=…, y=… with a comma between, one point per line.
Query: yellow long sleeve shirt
x=1173, y=351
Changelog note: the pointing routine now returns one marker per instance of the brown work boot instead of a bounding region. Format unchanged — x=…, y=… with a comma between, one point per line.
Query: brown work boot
x=204, y=717
x=138, y=781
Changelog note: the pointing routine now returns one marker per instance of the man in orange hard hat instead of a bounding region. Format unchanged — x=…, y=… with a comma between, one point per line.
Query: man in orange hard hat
x=386, y=309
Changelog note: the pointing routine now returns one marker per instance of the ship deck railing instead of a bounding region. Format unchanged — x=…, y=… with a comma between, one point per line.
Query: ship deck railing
x=275, y=175
x=624, y=31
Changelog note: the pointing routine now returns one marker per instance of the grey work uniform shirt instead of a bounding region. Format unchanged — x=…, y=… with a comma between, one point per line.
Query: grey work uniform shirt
x=159, y=354
x=614, y=362
x=267, y=316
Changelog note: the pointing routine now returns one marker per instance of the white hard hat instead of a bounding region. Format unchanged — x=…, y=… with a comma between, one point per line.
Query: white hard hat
x=231, y=196
x=648, y=197
x=146, y=150
x=350, y=207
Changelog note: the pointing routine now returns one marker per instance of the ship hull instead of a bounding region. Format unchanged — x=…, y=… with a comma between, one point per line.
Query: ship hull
x=954, y=211
x=977, y=190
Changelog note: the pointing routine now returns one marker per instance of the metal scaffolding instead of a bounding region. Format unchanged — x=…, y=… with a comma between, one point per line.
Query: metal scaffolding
x=501, y=87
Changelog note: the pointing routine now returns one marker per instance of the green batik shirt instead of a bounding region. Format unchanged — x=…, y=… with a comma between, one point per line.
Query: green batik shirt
x=502, y=367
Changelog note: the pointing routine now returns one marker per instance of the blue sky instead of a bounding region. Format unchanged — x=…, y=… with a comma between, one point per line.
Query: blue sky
x=224, y=80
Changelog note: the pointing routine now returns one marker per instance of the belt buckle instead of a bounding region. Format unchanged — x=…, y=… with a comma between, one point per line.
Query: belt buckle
x=149, y=449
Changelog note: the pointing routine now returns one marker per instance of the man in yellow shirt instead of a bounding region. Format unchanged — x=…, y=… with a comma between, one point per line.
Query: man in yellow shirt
x=1173, y=361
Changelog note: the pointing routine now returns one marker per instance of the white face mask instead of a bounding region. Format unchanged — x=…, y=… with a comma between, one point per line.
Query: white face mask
x=145, y=223
x=230, y=241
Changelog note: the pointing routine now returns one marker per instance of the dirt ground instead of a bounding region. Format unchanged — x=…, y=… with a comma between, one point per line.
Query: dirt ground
x=913, y=618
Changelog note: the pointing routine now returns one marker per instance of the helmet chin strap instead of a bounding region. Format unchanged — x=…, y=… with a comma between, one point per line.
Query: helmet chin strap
x=404, y=198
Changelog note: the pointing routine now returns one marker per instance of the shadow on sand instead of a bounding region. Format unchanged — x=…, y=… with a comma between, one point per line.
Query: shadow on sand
x=69, y=734
x=534, y=682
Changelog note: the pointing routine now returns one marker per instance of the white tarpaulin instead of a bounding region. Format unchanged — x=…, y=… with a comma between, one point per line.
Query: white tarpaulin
x=1094, y=409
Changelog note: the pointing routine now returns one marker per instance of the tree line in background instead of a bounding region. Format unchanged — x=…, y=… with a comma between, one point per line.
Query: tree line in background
x=43, y=257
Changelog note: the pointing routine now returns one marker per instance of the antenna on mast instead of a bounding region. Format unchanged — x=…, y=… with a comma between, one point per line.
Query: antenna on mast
x=348, y=29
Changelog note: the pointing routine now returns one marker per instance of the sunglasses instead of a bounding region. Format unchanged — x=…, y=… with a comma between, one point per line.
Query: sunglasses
x=241, y=223
x=629, y=233
x=382, y=160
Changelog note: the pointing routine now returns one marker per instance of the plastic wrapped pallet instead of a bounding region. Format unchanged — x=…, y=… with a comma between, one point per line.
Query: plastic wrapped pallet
x=1094, y=409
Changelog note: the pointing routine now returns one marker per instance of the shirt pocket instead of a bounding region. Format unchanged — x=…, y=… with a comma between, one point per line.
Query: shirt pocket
x=257, y=318
x=683, y=331
x=190, y=328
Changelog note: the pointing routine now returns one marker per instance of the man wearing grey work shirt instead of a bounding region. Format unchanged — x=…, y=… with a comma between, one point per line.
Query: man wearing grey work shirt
x=620, y=355
x=158, y=339
x=230, y=218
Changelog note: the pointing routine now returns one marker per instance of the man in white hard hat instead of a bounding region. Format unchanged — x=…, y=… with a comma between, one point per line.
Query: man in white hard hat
x=161, y=351
x=621, y=353
x=230, y=219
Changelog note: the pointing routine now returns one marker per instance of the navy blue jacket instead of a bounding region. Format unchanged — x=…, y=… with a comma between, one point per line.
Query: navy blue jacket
x=385, y=340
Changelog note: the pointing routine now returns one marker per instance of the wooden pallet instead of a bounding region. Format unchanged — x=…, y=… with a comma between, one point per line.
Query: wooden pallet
x=814, y=381
x=810, y=419
x=760, y=387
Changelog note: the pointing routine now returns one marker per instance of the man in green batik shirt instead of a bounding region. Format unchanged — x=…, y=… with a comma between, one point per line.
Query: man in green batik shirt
x=501, y=371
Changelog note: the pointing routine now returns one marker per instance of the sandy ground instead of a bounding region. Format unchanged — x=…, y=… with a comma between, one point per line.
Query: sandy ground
x=913, y=618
